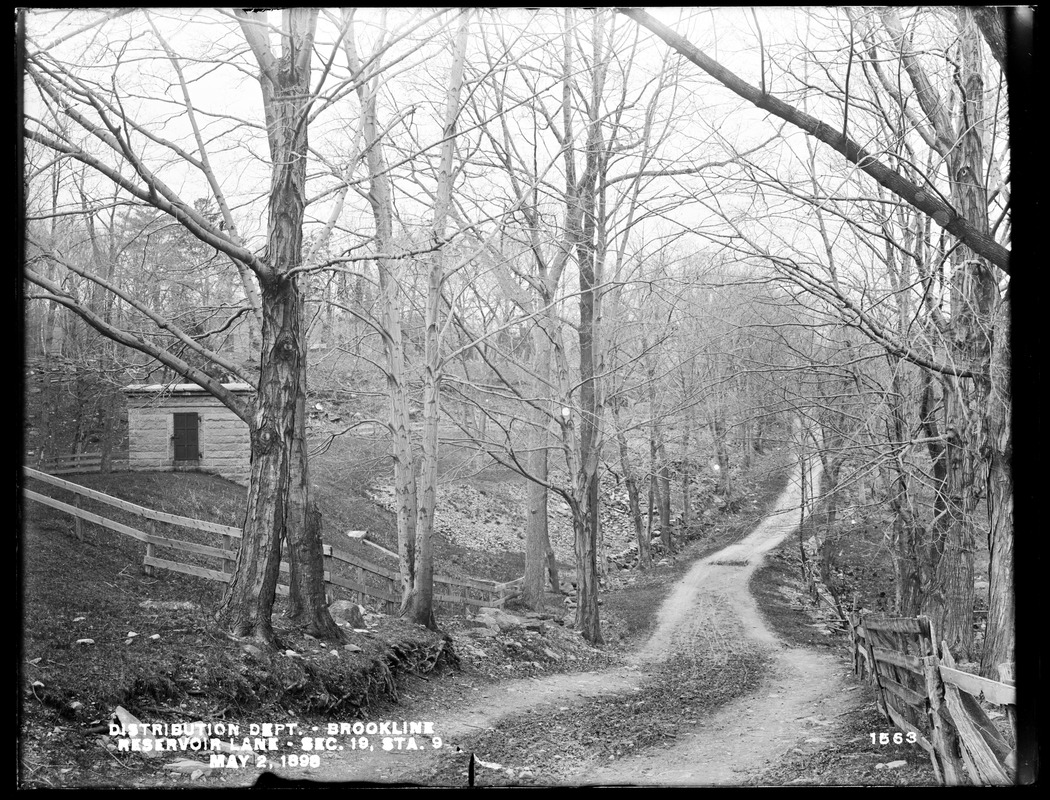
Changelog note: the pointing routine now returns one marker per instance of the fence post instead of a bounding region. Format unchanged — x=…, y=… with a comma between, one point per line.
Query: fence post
x=329, y=588
x=78, y=523
x=228, y=566
x=151, y=549
x=942, y=735
x=880, y=694
x=1006, y=675
x=359, y=576
x=854, y=642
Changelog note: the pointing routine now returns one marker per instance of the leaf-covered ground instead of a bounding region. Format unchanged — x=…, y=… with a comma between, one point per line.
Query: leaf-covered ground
x=176, y=667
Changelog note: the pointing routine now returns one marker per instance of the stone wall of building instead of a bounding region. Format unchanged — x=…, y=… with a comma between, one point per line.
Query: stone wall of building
x=223, y=439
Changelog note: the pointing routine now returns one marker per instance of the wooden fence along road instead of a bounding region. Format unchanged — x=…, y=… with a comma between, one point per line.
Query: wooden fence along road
x=364, y=581
x=938, y=706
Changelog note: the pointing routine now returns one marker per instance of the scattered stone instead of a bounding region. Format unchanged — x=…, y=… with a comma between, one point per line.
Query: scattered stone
x=166, y=605
x=351, y=613
x=352, y=648
x=895, y=764
x=252, y=650
x=85, y=641
x=186, y=765
x=550, y=654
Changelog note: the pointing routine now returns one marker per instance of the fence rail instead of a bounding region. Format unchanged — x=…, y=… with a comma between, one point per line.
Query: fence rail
x=365, y=581
x=82, y=462
x=918, y=686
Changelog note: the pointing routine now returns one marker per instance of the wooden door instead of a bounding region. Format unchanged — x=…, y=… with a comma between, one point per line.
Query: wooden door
x=186, y=438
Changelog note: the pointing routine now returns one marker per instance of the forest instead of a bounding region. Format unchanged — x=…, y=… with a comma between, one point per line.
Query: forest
x=600, y=248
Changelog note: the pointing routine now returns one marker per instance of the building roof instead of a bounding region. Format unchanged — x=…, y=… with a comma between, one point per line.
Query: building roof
x=182, y=388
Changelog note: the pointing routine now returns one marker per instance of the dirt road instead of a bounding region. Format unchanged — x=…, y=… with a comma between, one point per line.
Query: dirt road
x=710, y=608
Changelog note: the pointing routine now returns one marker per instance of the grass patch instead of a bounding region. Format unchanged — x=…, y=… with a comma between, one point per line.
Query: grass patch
x=536, y=747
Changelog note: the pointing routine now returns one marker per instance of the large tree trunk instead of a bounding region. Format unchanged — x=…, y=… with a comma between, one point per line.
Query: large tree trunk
x=536, y=535
x=307, y=600
x=645, y=558
x=539, y=555
x=380, y=198
x=583, y=523
x=247, y=606
x=999, y=635
x=421, y=603
x=973, y=294
x=907, y=535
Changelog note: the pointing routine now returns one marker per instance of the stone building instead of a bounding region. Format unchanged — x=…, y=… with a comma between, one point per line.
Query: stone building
x=183, y=427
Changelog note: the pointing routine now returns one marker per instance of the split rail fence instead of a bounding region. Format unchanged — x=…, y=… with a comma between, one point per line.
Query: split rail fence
x=81, y=462
x=919, y=688
x=361, y=580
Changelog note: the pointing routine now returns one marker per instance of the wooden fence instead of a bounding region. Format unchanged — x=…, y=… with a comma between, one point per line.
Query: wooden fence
x=363, y=581
x=81, y=462
x=919, y=688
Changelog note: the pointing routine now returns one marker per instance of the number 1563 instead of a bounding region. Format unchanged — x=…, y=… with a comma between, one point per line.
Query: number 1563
x=896, y=738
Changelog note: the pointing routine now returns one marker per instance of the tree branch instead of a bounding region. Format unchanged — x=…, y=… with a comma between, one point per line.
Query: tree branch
x=942, y=213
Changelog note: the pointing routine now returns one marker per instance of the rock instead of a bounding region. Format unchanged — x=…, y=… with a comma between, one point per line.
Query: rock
x=168, y=605
x=485, y=632
x=186, y=765
x=352, y=648
x=348, y=612
x=550, y=654
x=896, y=764
x=253, y=651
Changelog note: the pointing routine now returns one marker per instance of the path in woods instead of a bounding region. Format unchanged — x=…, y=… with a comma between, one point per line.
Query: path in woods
x=710, y=607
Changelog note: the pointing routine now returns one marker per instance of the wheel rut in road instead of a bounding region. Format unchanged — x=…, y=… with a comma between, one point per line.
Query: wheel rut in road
x=709, y=608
